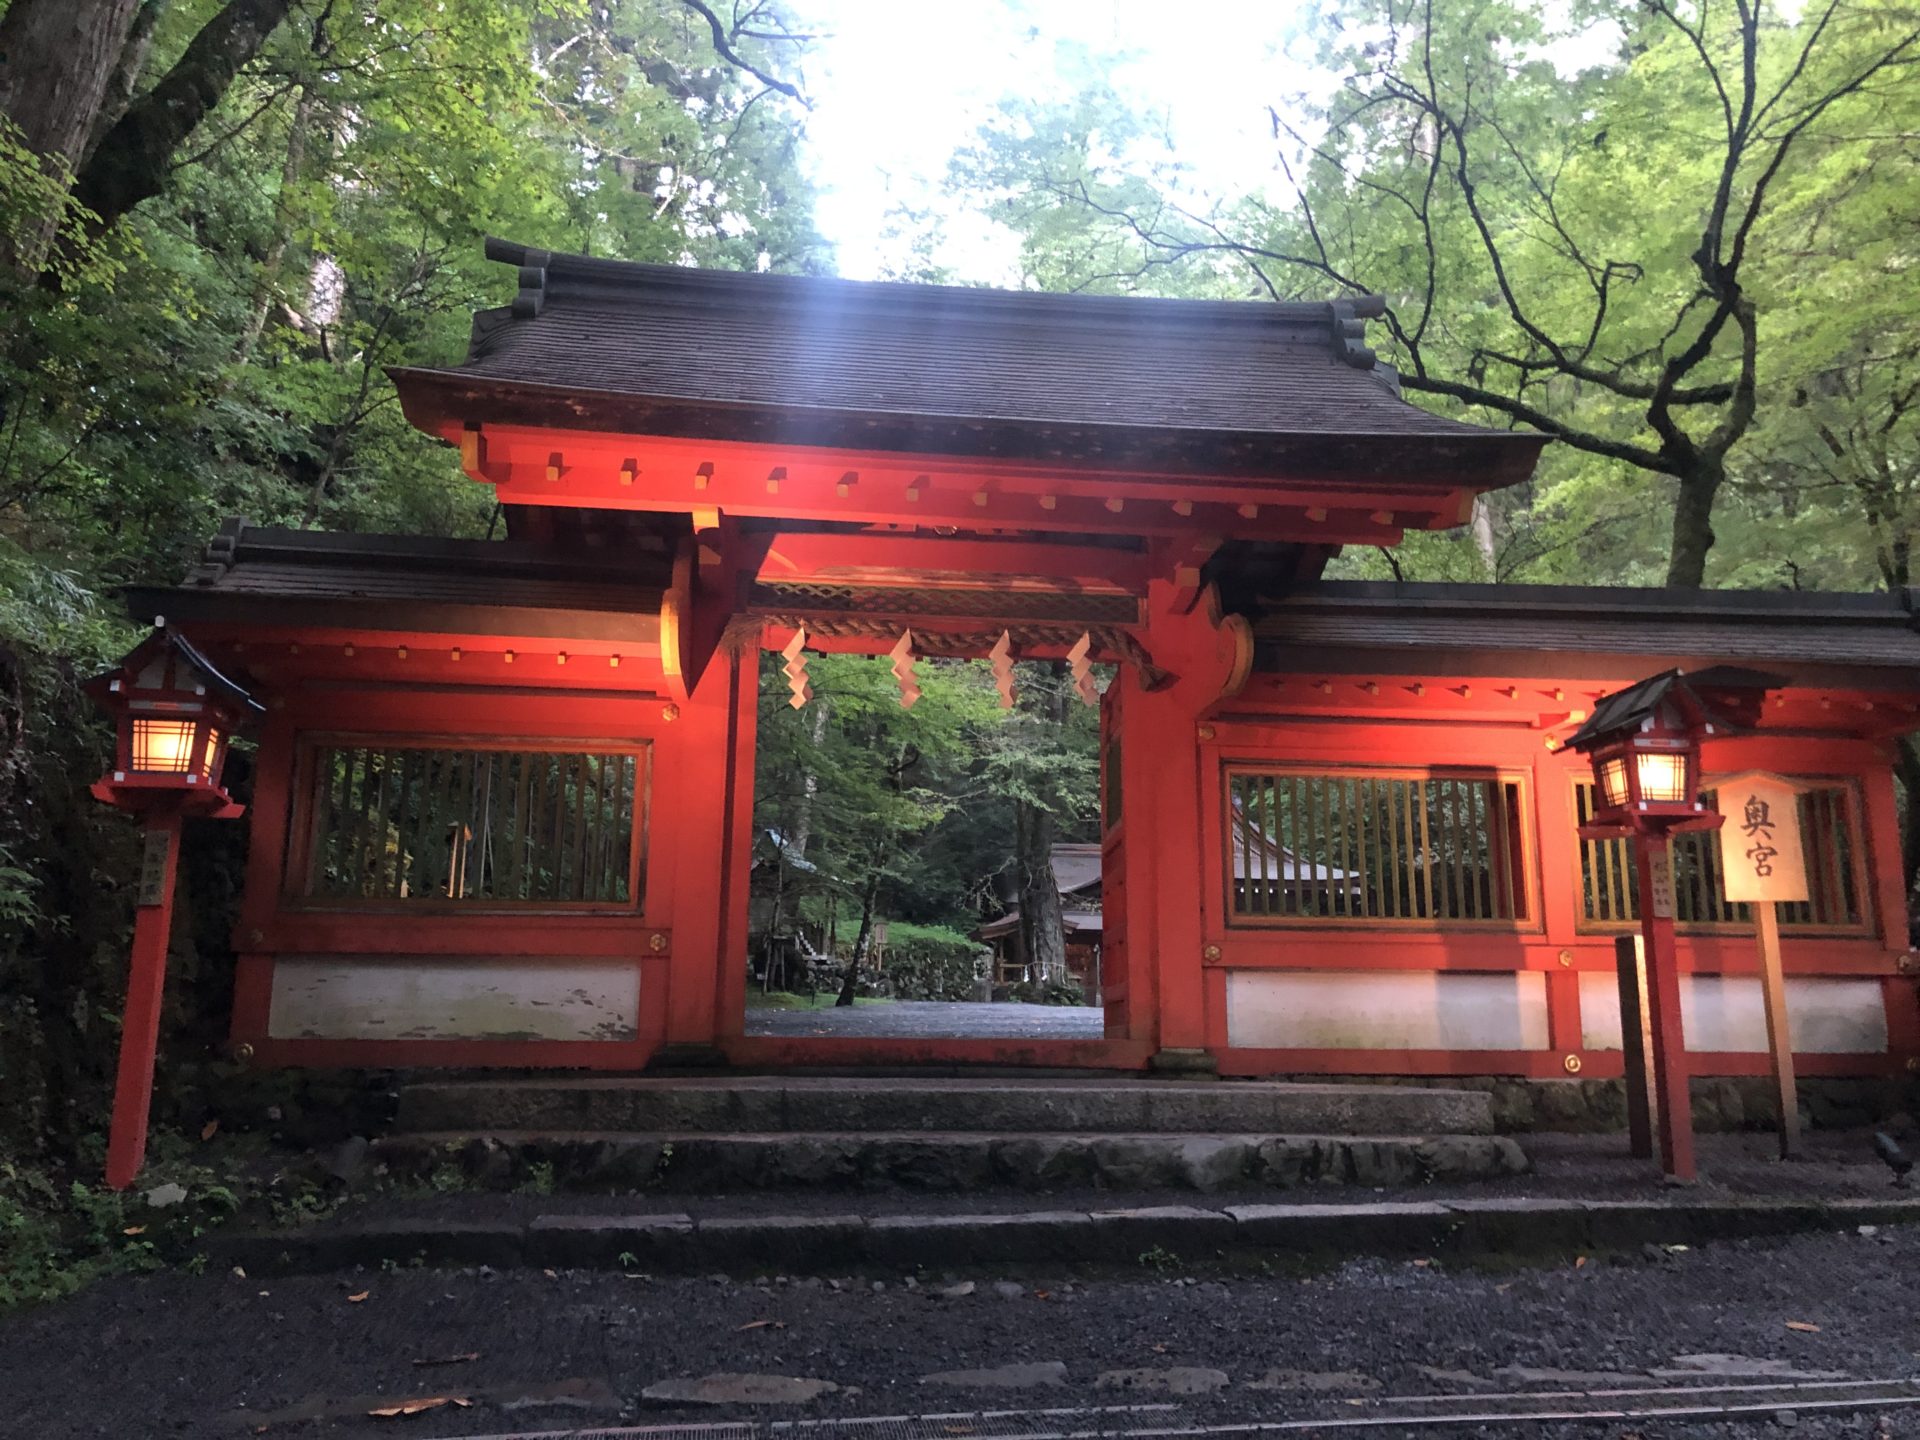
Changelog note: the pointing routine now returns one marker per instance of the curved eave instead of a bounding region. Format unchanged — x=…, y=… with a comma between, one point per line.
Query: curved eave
x=442, y=401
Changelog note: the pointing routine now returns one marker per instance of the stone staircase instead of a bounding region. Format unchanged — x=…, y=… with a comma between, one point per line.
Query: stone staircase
x=712, y=1134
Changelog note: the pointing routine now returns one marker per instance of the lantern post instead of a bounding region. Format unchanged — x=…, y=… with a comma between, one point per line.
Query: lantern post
x=1644, y=744
x=174, y=717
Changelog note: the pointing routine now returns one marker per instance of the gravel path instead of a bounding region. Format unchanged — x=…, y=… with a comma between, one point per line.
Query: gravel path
x=219, y=1354
x=935, y=1020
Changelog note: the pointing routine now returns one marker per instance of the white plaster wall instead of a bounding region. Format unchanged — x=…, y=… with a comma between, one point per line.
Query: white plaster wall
x=1386, y=1010
x=453, y=998
x=1728, y=1013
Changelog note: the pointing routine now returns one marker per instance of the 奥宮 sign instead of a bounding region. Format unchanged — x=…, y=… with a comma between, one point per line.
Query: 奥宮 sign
x=1760, y=848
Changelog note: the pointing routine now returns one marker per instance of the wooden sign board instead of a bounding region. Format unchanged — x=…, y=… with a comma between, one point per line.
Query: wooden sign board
x=154, y=854
x=1761, y=855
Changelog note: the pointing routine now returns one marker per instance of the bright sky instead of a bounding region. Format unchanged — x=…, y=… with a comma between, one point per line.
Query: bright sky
x=899, y=85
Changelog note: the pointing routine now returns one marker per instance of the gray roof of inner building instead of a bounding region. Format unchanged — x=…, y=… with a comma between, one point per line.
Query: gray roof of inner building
x=1348, y=625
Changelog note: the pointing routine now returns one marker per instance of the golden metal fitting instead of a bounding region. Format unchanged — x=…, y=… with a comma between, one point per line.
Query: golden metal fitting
x=1572, y=1064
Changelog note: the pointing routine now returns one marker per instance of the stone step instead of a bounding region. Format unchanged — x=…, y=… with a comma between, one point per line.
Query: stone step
x=769, y=1104
x=700, y=1163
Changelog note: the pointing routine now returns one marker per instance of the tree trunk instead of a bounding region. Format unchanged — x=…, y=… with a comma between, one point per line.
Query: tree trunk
x=869, y=897
x=1482, y=525
x=810, y=785
x=1693, y=524
x=134, y=159
x=57, y=58
x=267, y=282
x=125, y=78
x=1042, y=930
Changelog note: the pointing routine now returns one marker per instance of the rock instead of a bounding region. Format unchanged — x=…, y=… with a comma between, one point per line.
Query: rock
x=1536, y=1375
x=953, y=1292
x=1168, y=1380
x=349, y=1159
x=1212, y=1162
x=1315, y=1382
x=1454, y=1377
x=1009, y=1289
x=879, y=1286
x=161, y=1196
x=1739, y=1367
x=728, y=1388
x=1003, y=1377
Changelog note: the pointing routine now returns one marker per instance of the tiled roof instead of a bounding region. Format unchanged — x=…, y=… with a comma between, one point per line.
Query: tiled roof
x=820, y=351
x=303, y=577
x=1336, y=624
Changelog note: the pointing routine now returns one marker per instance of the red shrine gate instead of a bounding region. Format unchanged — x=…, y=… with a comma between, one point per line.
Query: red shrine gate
x=503, y=799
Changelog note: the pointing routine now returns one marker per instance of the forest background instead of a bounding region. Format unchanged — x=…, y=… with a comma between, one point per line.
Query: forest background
x=1682, y=238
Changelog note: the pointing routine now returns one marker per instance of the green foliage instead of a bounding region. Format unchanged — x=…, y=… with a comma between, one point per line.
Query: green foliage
x=223, y=350
x=57, y=1235
x=933, y=835
x=1533, y=189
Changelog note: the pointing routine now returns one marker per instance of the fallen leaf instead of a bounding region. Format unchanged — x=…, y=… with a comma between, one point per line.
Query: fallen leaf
x=1159, y=1349
x=763, y=1324
x=209, y=1130
x=356, y=1299
x=450, y=1359
x=1580, y=1263
x=1043, y=1294
x=1502, y=1289
x=134, y=1230
x=1422, y=1264
x=551, y=1274
x=238, y=1271
x=1675, y=1249
x=1803, y=1325
x=414, y=1407
x=957, y=1429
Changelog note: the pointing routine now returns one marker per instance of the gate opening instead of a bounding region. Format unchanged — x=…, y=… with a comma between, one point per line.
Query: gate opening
x=929, y=870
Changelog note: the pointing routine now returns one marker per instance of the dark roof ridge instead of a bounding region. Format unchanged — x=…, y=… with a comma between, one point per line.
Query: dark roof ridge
x=1869, y=605
x=603, y=279
x=240, y=542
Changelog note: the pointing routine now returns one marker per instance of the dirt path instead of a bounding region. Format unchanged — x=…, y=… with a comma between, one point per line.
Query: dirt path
x=221, y=1354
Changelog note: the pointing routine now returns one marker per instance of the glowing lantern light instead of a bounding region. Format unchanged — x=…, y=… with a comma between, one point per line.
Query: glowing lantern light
x=174, y=714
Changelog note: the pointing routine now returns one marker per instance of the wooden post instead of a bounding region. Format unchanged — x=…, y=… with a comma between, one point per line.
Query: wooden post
x=1773, y=983
x=140, y=1020
x=1766, y=864
x=1653, y=857
x=1630, y=961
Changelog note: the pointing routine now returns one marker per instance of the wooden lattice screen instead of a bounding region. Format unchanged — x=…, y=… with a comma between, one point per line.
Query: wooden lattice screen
x=506, y=827
x=1610, y=889
x=1418, y=848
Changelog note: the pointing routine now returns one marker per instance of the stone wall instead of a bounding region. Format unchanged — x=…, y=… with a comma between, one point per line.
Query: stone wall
x=1719, y=1103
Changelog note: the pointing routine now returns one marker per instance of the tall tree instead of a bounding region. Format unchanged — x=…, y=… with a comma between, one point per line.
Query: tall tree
x=1464, y=168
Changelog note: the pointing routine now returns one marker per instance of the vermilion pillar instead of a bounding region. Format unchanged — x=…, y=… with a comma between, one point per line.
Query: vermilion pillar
x=146, y=979
x=1653, y=859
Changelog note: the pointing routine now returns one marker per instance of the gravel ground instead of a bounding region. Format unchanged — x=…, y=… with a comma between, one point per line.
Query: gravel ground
x=218, y=1354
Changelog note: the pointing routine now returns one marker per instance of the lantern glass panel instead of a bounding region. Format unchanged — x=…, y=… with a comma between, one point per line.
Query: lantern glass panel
x=1663, y=778
x=1613, y=781
x=163, y=747
x=208, y=750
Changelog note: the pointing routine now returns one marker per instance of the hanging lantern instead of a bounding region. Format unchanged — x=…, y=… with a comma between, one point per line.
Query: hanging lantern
x=175, y=714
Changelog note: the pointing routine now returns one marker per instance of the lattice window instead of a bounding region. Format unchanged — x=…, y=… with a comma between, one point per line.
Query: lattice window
x=1829, y=830
x=1433, y=848
x=414, y=824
